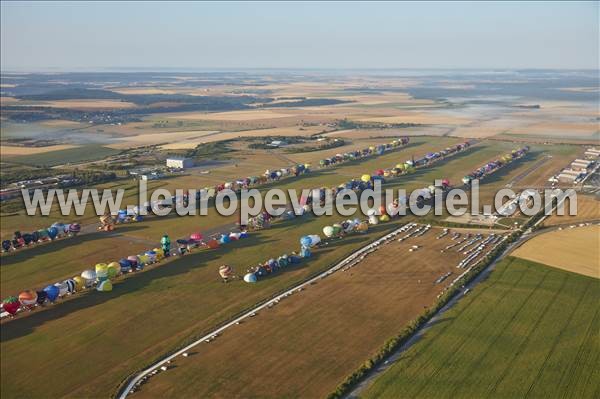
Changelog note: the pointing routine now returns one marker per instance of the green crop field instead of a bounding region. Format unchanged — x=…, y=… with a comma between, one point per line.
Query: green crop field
x=90, y=152
x=528, y=331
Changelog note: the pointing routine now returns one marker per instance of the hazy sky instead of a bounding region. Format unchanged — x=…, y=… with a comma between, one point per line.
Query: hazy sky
x=71, y=36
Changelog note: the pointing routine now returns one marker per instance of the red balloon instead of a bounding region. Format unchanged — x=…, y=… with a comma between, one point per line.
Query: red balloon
x=379, y=172
x=11, y=305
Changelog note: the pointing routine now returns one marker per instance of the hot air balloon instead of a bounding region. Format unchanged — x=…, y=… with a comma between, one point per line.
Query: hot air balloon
x=373, y=220
x=42, y=234
x=79, y=283
x=63, y=289
x=305, y=241
x=52, y=292
x=89, y=276
x=160, y=254
x=113, y=269
x=71, y=285
x=224, y=239
x=101, y=271
x=235, y=236
x=250, y=278
x=52, y=232
x=28, y=298
x=225, y=271
x=6, y=245
x=305, y=252
x=60, y=228
x=337, y=229
x=11, y=305
x=125, y=265
x=384, y=218
x=445, y=183
x=379, y=172
x=328, y=231
x=212, y=244
x=133, y=260
x=104, y=286
x=74, y=228
x=365, y=178
x=151, y=257
x=41, y=297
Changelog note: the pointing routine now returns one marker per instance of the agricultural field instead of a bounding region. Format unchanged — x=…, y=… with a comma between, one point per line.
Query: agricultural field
x=316, y=337
x=588, y=210
x=528, y=330
x=570, y=249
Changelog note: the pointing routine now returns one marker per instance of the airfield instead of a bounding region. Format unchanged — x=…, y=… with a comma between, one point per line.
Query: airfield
x=315, y=338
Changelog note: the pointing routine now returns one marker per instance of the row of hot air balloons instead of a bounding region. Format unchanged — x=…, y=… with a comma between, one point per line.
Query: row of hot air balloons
x=102, y=274
x=57, y=230
x=410, y=165
x=492, y=166
x=365, y=152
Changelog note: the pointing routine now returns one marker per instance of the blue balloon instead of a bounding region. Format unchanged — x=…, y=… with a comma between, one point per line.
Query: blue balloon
x=224, y=239
x=52, y=292
x=52, y=232
x=305, y=252
x=305, y=241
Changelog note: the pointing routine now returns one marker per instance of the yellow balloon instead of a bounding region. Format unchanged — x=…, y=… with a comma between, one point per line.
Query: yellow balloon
x=113, y=269
x=79, y=283
x=366, y=178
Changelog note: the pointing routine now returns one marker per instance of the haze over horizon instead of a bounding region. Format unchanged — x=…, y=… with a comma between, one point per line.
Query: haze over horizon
x=58, y=36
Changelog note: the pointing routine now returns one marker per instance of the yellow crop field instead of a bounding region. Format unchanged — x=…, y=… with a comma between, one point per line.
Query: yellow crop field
x=575, y=250
x=21, y=150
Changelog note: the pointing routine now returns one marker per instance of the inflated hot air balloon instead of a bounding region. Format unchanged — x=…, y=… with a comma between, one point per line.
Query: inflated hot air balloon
x=445, y=183
x=212, y=244
x=379, y=172
x=373, y=220
x=89, y=276
x=133, y=260
x=305, y=252
x=74, y=228
x=11, y=305
x=60, y=228
x=384, y=218
x=63, y=289
x=160, y=254
x=79, y=283
x=314, y=239
x=235, y=236
x=42, y=234
x=250, y=278
x=71, y=285
x=52, y=232
x=225, y=271
x=6, y=245
x=52, y=292
x=337, y=229
x=431, y=189
x=28, y=298
x=42, y=296
x=224, y=239
x=196, y=237
x=27, y=238
x=101, y=271
x=143, y=260
x=305, y=241
x=125, y=265
x=328, y=231
x=105, y=286
x=113, y=269
x=365, y=178
x=467, y=179
x=151, y=257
